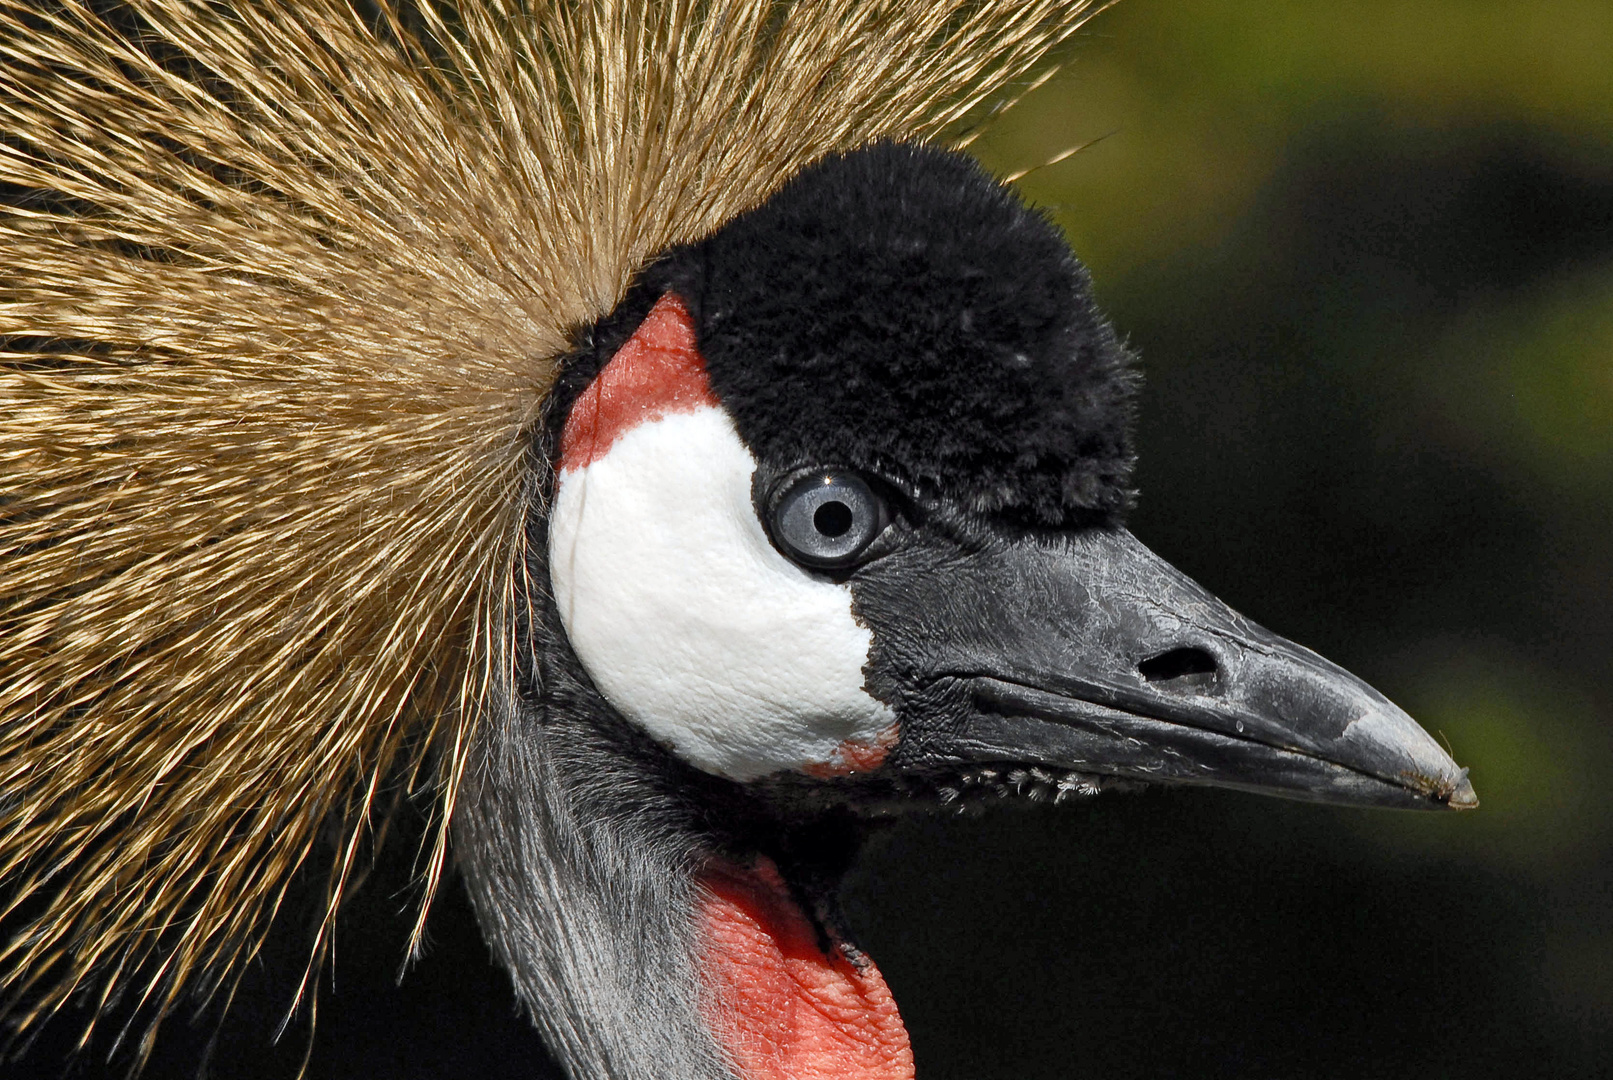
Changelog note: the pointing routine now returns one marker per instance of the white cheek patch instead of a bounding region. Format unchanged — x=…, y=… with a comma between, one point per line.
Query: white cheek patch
x=691, y=623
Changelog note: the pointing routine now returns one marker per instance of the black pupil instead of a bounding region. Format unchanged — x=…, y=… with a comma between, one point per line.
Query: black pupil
x=832, y=519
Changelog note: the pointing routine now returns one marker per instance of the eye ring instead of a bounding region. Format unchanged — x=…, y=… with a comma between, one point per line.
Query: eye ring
x=826, y=518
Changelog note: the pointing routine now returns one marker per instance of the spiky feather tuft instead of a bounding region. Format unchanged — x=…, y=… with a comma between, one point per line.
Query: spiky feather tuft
x=280, y=285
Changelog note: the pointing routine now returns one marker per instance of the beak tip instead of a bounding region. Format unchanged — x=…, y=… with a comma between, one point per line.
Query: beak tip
x=1462, y=796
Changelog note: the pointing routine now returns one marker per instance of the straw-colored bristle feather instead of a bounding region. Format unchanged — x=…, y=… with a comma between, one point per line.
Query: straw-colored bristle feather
x=280, y=288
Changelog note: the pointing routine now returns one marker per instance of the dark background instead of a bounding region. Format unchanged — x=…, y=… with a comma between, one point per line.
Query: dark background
x=1366, y=251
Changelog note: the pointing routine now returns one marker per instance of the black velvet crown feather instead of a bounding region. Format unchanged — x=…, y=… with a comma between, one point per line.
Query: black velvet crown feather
x=897, y=309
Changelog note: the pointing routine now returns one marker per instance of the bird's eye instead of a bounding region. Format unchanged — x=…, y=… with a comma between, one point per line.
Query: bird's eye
x=826, y=518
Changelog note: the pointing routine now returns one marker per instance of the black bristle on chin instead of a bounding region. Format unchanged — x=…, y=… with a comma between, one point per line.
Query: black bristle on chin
x=963, y=788
x=977, y=788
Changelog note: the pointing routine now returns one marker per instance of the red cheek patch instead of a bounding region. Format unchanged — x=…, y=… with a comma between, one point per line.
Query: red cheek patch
x=853, y=756
x=659, y=371
x=781, y=1007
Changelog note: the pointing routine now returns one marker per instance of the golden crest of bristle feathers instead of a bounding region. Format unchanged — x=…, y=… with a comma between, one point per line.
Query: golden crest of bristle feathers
x=280, y=287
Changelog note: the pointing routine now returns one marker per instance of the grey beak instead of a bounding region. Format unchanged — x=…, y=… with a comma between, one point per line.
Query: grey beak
x=1088, y=652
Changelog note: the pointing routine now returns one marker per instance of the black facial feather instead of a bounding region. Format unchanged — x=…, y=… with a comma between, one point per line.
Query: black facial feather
x=898, y=310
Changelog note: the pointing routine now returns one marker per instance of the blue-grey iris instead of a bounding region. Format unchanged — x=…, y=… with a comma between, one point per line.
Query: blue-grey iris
x=825, y=519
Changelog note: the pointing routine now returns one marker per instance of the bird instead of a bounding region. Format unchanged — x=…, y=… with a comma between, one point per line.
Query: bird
x=642, y=432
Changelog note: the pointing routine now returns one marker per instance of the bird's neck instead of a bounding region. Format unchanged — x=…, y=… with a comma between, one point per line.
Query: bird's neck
x=647, y=939
x=583, y=879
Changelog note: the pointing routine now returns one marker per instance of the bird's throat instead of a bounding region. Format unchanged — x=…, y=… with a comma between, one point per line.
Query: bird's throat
x=781, y=1006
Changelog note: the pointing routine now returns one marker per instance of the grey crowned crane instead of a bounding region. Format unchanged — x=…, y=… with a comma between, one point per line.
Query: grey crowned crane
x=628, y=425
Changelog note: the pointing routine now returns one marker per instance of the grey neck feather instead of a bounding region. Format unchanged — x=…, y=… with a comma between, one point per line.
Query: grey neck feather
x=583, y=879
x=580, y=843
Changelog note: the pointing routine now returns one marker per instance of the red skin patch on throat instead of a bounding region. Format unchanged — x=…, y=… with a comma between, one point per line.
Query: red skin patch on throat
x=659, y=371
x=781, y=1007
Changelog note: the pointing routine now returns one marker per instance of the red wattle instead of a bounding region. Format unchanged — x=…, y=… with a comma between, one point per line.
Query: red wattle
x=658, y=371
x=781, y=1007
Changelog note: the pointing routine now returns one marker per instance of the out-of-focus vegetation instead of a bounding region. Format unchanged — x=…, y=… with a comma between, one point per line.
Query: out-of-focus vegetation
x=1366, y=252
x=1204, y=102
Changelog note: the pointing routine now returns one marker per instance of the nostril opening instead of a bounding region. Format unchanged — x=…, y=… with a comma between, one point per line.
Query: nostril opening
x=1186, y=666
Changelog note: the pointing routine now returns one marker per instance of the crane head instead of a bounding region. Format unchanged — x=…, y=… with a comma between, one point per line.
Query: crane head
x=838, y=491
x=834, y=528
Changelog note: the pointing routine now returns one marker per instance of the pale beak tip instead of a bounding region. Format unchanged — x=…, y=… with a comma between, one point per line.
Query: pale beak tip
x=1462, y=796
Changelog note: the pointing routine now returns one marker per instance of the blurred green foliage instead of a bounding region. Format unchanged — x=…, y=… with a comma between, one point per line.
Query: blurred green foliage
x=1202, y=99
x=1366, y=253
